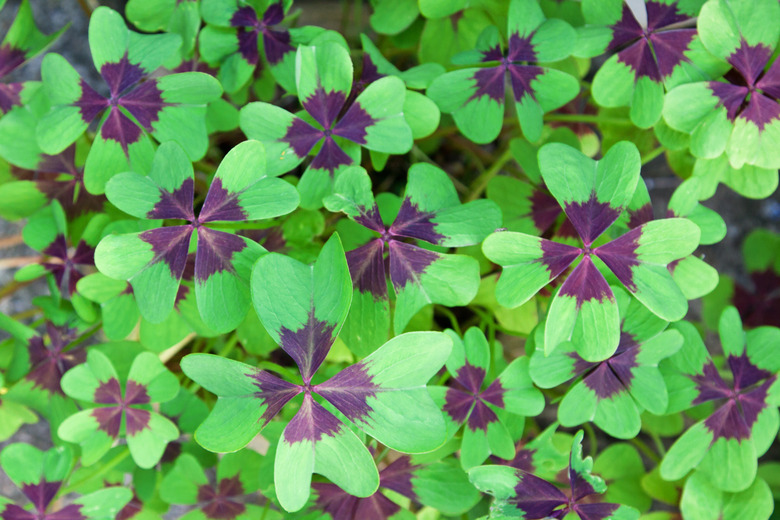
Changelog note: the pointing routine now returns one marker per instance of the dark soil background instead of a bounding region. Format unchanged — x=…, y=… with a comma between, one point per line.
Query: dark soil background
x=741, y=215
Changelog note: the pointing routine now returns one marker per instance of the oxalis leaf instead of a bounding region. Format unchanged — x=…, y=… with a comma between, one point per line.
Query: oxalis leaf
x=475, y=96
x=40, y=475
x=170, y=107
x=303, y=308
x=726, y=445
x=431, y=212
x=593, y=194
x=519, y=494
x=467, y=403
x=374, y=120
x=738, y=114
x=121, y=410
x=153, y=261
x=612, y=393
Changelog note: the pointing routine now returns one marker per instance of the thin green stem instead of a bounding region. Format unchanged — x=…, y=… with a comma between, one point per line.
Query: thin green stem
x=659, y=444
x=644, y=448
x=587, y=118
x=592, y=440
x=229, y=346
x=381, y=455
x=449, y=314
x=481, y=182
x=266, y=508
x=95, y=474
x=652, y=155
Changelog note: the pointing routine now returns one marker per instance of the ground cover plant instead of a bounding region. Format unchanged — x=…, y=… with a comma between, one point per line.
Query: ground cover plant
x=411, y=267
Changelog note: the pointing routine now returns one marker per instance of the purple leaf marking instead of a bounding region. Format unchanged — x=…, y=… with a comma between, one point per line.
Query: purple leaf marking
x=143, y=101
x=469, y=402
x=49, y=364
x=586, y=283
x=642, y=215
x=557, y=257
x=408, y=262
x=57, y=177
x=311, y=423
x=537, y=497
x=221, y=205
x=749, y=92
x=490, y=81
x=523, y=460
x=398, y=477
x=413, y=223
x=275, y=42
x=308, y=345
x=215, y=252
x=367, y=269
x=302, y=137
x=65, y=270
x=121, y=75
x=274, y=392
x=169, y=245
x=591, y=218
x=620, y=256
x=598, y=511
x=330, y=157
x=41, y=496
x=745, y=397
x=340, y=505
x=544, y=209
x=324, y=107
x=349, y=391
x=10, y=59
x=218, y=504
x=354, y=123
x=176, y=204
x=109, y=418
x=653, y=52
x=760, y=306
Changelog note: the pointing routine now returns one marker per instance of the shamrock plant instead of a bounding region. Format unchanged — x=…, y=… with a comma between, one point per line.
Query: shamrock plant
x=170, y=108
x=593, y=194
x=333, y=128
x=240, y=191
x=430, y=211
x=475, y=97
x=389, y=260
x=523, y=495
x=303, y=308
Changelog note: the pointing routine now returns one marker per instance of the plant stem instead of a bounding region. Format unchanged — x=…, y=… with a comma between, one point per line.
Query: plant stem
x=108, y=466
x=449, y=314
x=11, y=241
x=587, y=118
x=659, y=445
x=652, y=155
x=592, y=440
x=381, y=455
x=12, y=288
x=645, y=449
x=481, y=182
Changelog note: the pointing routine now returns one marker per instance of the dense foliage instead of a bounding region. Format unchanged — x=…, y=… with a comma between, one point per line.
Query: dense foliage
x=409, y=269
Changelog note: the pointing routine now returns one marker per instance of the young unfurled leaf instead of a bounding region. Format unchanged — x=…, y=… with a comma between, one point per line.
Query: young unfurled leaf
x=467, y=403
x=593, y=194
x=654, y=52
x=374, y=120
x=168, y=107
x=725, y=445
x=303, y=308
x=153, y=261
x=22, y=41
x=613, y=392
x=431, y=212
x=120, y=410
x=475, y=96
x=524, y=495
x=39, y=475
x=738, y=114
